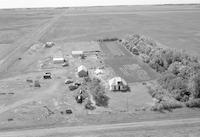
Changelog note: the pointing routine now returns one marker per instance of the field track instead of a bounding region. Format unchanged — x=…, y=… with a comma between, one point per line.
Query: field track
x=78, y=130
x=25, y=43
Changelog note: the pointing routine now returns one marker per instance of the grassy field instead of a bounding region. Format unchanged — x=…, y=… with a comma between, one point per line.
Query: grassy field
x=173, y=26
x=162, y=132
x=16, y=24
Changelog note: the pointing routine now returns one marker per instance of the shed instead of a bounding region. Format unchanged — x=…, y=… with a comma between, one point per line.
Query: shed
x=58, y=60
x=82, y=71
x=49, y=44
x=118, y=84
x=98, y=71
x=77, y=53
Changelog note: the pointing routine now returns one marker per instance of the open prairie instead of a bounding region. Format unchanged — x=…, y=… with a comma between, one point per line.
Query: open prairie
x=174, y=26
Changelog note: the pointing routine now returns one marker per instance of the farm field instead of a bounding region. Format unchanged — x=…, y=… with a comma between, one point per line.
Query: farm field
x=16, y=24
x=24, y=59
x=173, y=26
x=129, y=67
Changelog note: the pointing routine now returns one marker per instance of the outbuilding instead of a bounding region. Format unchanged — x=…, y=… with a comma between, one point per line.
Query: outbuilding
x=82, y=71
x=77, y=53
x=98, y=71
x=57, y=60
x=118, y=84
x=49, y=44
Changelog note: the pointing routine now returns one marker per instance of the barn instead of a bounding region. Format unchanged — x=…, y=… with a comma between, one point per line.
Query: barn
x=82, y=71
x=118, y=84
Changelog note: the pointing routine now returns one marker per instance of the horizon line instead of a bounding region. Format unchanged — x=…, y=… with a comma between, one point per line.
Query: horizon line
x=117, y=5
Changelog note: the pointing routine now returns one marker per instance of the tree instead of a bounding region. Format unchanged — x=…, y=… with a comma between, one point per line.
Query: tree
x=175, y=68
x=194, y=86
x=98, y=92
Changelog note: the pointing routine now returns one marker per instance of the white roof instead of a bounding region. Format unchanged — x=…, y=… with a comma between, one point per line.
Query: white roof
x=49, y=42
x=98, y=71
x=82, y=68
x=77, y=52
x=115, y=81
x=58, y=58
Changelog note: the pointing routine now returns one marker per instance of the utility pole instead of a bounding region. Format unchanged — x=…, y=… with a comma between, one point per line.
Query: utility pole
x=127, y=105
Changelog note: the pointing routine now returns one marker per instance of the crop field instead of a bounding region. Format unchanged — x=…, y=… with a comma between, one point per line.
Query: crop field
x=126, y=65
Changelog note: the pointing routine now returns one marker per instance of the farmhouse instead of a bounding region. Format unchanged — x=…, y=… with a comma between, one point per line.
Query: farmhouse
x=77, y=53
x=118, y=84
x=82, y=71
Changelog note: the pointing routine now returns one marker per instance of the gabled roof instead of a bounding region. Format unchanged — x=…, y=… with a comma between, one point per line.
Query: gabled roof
x=82, y=68
x=98, y=71
x=115, y=81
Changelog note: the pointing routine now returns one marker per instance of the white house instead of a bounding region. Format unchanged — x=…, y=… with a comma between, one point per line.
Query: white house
x=77, y=53
x=118, y=84
x=82, y=71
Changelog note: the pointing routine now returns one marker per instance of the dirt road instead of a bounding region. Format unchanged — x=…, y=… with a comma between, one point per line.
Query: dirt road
x=25, y=43
x=78, y=130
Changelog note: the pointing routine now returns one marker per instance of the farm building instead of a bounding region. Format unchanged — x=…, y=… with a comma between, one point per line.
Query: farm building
x=49, y=44
x=58, y=60
x=77, y=53
x=58, y=57
x=98, y=71
x=118, y=84
x=82, y=71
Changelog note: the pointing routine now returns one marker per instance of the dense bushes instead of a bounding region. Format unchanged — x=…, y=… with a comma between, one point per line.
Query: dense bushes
x=98, y=92
x=193, y=103
x=167, y=105
x=159, y=58
x=180, y=71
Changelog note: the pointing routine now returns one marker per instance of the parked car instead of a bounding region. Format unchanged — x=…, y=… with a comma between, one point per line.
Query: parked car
x=68, y=111
x=65, y=64
x=47, y=75
x=72, y=87
x=68, y=81
x=77, y=83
